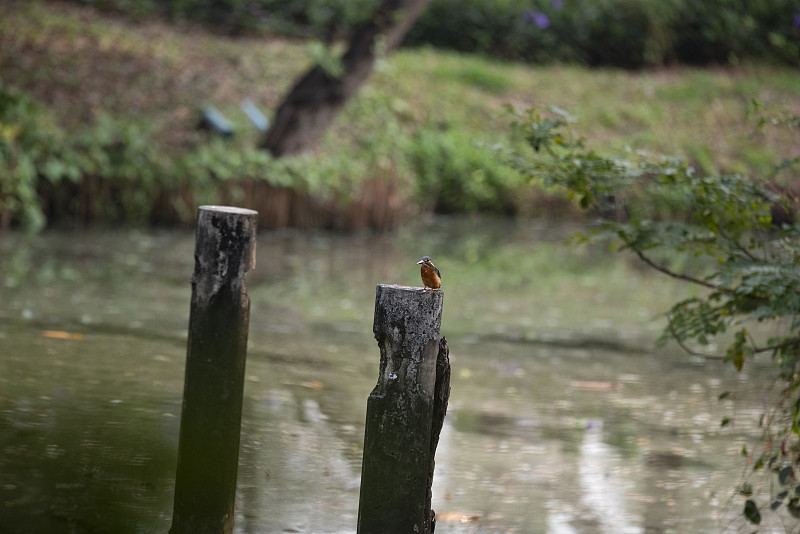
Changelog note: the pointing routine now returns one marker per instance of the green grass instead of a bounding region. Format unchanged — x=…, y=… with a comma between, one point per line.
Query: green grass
x=682, y=111
x=80, y=62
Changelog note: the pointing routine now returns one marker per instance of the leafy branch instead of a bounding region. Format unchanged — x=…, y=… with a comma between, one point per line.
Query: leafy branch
x=673, y=274
x=720, y=230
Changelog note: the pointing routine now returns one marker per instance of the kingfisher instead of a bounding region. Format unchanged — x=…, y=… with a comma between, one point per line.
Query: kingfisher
x=431, y=277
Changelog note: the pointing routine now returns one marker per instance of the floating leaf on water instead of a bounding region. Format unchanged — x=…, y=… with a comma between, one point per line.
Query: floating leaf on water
x=594, y=385
x=57, y=334
x=461, y=517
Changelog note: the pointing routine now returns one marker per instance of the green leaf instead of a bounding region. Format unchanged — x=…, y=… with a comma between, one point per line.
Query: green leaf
x=785, y=475
x=738, y=360
x=751, y=512
x=778, y=500
x=759, y=463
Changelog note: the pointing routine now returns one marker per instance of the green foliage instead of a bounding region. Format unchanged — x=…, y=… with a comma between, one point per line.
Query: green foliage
x=307, y=18
x=632, y=32
x=110, y=172
x=482, y=75
x=455, y=174
x=625, y=33
x=322, y=19
x=746, y=266
x=116, y=172
x=30, y=148
x=121, y=157
x=722, y=31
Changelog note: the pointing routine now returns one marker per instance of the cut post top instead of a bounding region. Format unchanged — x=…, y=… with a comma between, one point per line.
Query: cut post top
x=414, y=289
x=225, y=230
x=225, y=249
x=408, y=316
x=229, y=209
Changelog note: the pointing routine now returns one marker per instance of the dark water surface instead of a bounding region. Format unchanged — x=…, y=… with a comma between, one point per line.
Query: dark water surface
x=563, y=417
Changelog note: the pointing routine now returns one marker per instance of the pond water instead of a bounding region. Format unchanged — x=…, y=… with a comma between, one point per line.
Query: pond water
x=563, y=418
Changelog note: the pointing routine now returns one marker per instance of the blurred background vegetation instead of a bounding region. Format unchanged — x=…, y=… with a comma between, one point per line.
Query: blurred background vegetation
x=623, y=33
x=100, y=102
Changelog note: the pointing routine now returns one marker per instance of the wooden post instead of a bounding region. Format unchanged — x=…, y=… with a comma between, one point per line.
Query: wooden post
x=404, y=412
x=208, y=448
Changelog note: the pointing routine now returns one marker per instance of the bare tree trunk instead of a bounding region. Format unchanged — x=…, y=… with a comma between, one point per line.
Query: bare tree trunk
x=317, y=97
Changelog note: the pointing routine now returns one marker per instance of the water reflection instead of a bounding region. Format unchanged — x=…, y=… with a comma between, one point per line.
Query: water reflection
x=563, y=419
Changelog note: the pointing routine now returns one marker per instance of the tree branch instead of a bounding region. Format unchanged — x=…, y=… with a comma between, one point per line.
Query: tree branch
x=756, y=348
x=737, y=245
x=779, y=346
x=664, y=270
x=686, y=347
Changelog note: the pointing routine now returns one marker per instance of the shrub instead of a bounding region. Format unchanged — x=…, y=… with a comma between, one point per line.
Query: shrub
x=309, y=18
x=454, y=174
x=721, y=31
x=115, y=172
x=624, y=33
x=31, y=148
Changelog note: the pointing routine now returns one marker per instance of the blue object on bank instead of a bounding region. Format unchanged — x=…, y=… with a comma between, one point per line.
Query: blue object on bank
x=259, y=120
x=213, y=119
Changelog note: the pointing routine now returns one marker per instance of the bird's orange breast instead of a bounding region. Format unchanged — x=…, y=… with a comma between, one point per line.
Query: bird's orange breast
x=429, y=277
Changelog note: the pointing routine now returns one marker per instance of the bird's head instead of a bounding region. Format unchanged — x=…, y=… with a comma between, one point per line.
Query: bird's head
x=426, y=260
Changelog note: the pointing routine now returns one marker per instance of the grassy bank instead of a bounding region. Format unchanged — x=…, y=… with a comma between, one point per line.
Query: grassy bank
x=416, y=138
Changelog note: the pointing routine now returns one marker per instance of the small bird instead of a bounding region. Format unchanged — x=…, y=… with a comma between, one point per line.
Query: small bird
x=431, y=277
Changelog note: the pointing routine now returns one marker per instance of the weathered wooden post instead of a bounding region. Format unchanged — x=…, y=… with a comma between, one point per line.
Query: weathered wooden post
x=208, y=449
x=405, y=412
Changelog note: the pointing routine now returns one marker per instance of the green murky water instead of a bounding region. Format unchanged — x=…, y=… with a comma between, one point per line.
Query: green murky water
x=563, y=418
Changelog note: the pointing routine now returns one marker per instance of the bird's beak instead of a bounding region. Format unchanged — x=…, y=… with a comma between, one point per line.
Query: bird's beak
x=420, y=261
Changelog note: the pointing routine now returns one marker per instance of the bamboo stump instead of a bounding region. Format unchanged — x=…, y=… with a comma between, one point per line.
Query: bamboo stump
x=405, y=412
